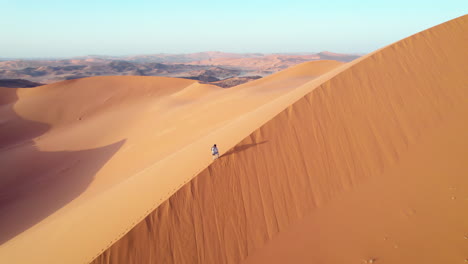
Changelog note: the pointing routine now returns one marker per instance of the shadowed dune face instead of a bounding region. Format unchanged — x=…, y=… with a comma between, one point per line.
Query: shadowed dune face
x=34, y=183
x=18, y=83
x=240, y=148
x=7, y=95
x=367, y=150
x=13, y=129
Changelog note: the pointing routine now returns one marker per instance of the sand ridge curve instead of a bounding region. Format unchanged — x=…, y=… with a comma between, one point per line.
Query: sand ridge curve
x=357, y=131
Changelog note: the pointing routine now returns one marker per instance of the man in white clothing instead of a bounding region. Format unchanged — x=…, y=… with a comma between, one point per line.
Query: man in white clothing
x=214, y=151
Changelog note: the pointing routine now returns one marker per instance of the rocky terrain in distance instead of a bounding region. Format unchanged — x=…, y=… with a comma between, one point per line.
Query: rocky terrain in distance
x=219, y=68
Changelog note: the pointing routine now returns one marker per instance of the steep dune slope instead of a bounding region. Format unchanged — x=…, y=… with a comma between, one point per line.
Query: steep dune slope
x=367, y=167
x=75, y=154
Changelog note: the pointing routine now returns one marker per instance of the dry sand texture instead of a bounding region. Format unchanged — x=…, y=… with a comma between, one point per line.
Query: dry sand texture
x=357, y=163
x=369, y=167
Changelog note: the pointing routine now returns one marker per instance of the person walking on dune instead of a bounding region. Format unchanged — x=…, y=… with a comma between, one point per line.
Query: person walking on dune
x=214, y=151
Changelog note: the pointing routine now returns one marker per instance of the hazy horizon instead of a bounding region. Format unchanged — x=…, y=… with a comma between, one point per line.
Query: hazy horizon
x=168, y=53
x=52, y=29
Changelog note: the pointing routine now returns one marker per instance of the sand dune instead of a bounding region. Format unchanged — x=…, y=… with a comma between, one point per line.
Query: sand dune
x=367, y=167
x=93, y=145
x=324, y=162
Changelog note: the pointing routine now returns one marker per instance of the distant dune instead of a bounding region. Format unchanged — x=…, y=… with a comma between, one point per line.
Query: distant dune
x=326, y=55
x=264, y=65
x=324, y=162
x=234, y=81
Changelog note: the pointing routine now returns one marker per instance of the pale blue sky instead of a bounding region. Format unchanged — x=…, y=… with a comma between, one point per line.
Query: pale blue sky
x=47, y=28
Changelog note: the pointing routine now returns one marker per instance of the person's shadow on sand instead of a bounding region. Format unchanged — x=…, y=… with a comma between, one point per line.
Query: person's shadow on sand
x=242, y=148
x=33, y=183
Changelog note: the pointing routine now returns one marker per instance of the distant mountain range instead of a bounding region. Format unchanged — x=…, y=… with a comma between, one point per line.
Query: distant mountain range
x=212, y=67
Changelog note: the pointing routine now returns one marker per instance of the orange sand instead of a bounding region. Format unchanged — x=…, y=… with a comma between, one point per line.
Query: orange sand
x=346, y=163
x=368, y=167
